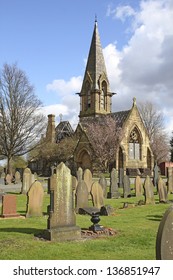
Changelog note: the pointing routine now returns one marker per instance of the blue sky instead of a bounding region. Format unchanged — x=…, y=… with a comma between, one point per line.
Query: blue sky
x=50, y=40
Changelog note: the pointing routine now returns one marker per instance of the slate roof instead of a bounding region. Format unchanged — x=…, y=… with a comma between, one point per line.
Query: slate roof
x=63, y=130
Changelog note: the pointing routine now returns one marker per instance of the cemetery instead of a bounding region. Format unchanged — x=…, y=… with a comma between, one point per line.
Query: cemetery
x=82, y=217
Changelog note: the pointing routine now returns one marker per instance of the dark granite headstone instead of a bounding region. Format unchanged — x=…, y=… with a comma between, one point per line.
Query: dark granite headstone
x=164, y=240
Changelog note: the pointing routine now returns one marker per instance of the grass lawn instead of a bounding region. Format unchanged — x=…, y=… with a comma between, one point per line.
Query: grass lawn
x=135, y=239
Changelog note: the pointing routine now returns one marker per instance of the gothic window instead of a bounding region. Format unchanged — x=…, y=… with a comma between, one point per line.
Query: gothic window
x=134, y=145
x=103, y=95
x=88, y=94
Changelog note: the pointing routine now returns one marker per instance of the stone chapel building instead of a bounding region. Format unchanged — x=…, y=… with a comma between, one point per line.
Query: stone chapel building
x=134, y=155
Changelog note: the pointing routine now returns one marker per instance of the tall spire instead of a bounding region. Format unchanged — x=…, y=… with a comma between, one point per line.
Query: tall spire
x=95, y=93
x=95, y=64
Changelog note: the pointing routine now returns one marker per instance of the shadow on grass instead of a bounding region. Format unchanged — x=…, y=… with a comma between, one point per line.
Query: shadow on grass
x=34, y=231
x=156, y=218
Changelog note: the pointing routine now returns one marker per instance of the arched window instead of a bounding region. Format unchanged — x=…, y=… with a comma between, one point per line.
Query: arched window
x=134, y=145
x=88, y=94
x=103, y=95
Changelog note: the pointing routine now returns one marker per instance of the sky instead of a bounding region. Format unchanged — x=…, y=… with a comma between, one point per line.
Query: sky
x=50, y=41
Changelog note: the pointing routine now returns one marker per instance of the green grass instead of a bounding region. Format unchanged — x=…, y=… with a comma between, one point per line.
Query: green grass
x=136, y=228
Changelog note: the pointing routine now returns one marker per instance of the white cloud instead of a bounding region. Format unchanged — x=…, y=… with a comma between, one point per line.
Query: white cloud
x=63, y=87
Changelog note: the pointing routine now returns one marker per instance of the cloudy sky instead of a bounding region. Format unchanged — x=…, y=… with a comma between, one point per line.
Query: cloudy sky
x=50, y=40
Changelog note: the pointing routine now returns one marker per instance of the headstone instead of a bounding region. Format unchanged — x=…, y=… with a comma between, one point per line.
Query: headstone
x=121, y=176
x=27, y=180
x=97, y=195
x=138, y=186
x=61, y=224
x=149, y=191
x=17, y=177
x=35, y=200
x=156, y=175
x=80, y=174
x=113, y=192
x=103, y=183
x=8, y=179
x=9, y=208
x=164, y=240
x=126, y=186
x=87, y=176
x=170, y=179
x=74, y=183
x=81, y=196
x=162, y=190
x=2, y=175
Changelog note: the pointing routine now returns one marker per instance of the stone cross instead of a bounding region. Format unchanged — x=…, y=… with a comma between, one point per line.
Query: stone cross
x=35, y=200
x=61, y=224
x=164, y=239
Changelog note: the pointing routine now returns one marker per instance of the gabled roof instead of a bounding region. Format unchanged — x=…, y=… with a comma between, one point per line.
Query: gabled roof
x=63, y=130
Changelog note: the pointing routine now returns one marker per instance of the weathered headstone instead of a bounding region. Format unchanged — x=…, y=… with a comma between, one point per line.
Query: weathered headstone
x=97, y=195
x=8, y=179
x=162, y=190
x=121, y=176
x=35, y=200
x=17, y=177
x=149, y=191
x=81, y=195
x=164, y=240
x=170, y=179
x=80, y=174
x=74, y=183
x=138, y=186
x=126, y=186
x=103, y=183
x=27, y=180
x=156, y=175
x=87, y=176
x=9, y=208
x=62, y=220
x=113, y=192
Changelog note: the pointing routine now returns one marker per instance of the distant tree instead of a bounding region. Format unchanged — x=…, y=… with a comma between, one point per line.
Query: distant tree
x=154, y=123
x=171, y=150
x=105, y=137
x=21, y=122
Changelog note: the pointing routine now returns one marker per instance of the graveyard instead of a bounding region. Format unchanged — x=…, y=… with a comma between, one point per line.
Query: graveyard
x=131, y=222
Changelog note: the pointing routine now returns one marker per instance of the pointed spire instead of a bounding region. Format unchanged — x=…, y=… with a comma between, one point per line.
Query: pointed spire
x=95, y=64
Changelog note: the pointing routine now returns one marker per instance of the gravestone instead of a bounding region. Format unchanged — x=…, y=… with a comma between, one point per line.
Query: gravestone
x=170, y=179
x=27, y=180
x=156, y=175
x=81, y=195
x=9, y=206
x=17, y=177
x=74, y=183
x=138, y=186
x=162, y=190
x=164, y=240
x=97, y=195
x=113, y=192
x=8, y=179
x=149, y=191
x=126, y=187
x=35, y=200
x=121, y=176
x=103, y=183
x=80, y=174
x=87, y=176
x=61, y=224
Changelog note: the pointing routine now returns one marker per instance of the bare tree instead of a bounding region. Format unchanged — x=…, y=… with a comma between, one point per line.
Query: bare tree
x=154, y=123
x=105, y=137
x=21, y=122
